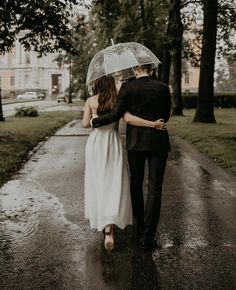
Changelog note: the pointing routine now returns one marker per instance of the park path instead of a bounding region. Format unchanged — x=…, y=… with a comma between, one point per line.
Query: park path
x=46, y=244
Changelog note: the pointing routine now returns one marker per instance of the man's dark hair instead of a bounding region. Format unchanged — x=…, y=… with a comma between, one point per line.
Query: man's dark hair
x=147, y=67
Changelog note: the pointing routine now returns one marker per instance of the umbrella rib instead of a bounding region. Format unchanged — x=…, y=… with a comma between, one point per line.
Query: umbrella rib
x=132, y=51
x=105, y=65
x=140, y=45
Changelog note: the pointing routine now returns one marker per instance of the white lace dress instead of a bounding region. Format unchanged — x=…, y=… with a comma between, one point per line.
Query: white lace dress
x=107, y=188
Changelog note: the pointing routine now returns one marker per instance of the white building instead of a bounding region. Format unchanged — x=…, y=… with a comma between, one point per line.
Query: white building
x=22, y=70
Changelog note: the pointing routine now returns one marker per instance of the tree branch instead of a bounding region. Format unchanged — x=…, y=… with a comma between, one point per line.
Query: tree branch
x=187, y=2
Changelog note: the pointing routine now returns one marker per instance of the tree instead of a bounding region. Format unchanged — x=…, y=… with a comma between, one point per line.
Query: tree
x=226, y=29
x=172, y=55
x=177, y=34
x=43, y=26
x=104, y=15
x=231, y=82
x=216, y=37
x=87, y=45
x=226, y=77
x=139, y=21
x=205, y=106
x=166, y=58
x=1, y=112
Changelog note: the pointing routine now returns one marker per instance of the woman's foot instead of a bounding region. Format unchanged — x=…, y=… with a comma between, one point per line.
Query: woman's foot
x=109, y=238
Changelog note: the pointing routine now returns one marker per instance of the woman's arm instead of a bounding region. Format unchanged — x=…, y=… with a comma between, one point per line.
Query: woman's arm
x=137, y=121
x=87, y=115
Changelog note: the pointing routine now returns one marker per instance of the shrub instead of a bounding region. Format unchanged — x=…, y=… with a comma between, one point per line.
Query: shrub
x=225, y=100
x=27, y=111
x=220, y=100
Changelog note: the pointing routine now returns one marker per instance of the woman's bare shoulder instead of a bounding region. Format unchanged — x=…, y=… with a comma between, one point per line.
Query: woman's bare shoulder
x=90, y=100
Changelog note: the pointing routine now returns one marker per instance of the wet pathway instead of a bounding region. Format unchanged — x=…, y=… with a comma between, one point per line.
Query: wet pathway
x=45, y=243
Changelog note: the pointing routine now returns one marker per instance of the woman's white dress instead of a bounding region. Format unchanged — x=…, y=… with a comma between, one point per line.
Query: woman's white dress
x=107, y=188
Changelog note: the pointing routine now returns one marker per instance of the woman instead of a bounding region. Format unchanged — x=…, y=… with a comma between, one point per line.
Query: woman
x=107, y=188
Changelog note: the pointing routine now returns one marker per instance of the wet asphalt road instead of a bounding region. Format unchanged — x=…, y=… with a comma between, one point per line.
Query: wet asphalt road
x=46, y=244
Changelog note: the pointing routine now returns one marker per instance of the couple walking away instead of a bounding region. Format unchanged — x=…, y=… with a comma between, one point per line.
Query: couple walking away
x=111, y=197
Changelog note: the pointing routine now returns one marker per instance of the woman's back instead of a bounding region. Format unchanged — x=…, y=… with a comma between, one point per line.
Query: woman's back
x=93, y=103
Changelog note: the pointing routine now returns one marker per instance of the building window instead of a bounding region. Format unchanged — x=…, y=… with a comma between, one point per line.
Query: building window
x=26, y=80
x=27, y=58
x=186, y=78
x=12, y=80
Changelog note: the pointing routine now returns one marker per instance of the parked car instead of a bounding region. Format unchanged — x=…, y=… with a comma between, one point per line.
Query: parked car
x=41, y=96
x=61, y=98
x=31, y=96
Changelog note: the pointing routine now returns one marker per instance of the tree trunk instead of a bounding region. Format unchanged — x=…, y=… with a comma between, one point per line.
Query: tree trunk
x=1, y=112
x=205, y=105
x=166, y=63
x=177, y=26
x=173, y=46
x=143, y=16
x=69, y=101
x=166, y=60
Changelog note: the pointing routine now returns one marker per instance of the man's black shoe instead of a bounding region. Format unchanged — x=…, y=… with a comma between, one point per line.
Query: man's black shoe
x=147, y=245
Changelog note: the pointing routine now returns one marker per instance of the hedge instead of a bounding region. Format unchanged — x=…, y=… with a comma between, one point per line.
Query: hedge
x=220, y=100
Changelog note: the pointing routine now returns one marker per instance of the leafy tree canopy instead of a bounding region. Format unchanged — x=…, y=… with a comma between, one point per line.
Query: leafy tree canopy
x=139, y=21
x=85, y=42
x=41, y=25
x=192, y=14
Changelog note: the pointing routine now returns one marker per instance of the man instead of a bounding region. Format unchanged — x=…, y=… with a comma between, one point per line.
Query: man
x=147, y=98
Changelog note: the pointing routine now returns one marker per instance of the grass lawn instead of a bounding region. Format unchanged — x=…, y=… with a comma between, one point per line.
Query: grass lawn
x=218, y=140
x=77, y=102
x=18, y=136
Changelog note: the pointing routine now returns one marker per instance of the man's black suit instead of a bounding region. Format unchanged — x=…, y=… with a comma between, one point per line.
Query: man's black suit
x=149, y=99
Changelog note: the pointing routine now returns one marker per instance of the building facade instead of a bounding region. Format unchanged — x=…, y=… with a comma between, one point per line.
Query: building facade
x=22, y=71
x=190, y=76
x=190, y=79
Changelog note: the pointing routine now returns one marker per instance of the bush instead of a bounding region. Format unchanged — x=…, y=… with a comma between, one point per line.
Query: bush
x=220, y=100
x=27, y=111
x=190, y=101
x=225, y=100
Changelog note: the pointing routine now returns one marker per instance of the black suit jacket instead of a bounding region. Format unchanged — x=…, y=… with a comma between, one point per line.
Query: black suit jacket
x=146, y=98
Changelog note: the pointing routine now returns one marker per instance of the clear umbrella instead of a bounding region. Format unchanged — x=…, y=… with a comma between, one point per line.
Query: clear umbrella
x=121, y=57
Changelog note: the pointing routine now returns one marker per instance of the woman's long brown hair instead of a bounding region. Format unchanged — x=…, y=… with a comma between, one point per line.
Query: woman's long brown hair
x=105, y=88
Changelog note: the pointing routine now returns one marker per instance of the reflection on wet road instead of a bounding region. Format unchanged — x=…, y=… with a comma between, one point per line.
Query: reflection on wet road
x=45, y=243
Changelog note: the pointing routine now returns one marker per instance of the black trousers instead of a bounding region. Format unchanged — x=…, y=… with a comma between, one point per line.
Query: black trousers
x=147, y=218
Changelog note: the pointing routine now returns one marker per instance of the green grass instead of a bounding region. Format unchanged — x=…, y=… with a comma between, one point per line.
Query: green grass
x=218, y=141
x=18, y=136
x=77, y=102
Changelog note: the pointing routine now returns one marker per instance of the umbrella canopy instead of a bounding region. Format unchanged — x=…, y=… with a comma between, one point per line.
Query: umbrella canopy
x=121, y=57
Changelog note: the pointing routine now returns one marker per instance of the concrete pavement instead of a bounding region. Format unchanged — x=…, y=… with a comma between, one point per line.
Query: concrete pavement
x=46, y=244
